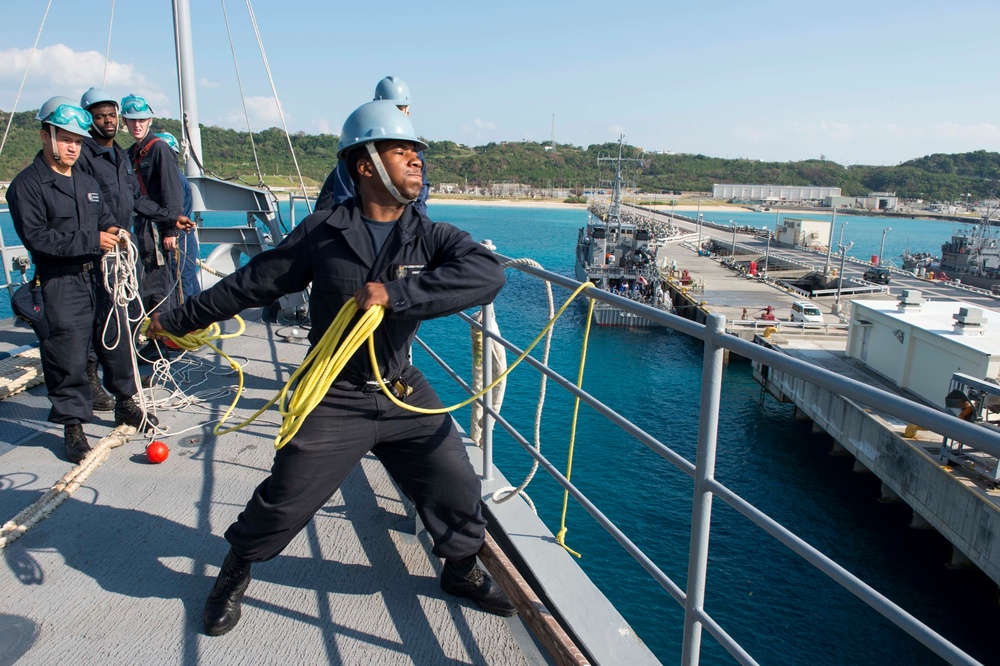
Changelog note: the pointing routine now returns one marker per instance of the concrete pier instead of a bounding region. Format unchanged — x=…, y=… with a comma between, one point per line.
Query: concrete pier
x=963, y=508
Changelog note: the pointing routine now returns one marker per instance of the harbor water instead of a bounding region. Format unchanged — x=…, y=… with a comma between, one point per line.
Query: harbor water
x=781, y=610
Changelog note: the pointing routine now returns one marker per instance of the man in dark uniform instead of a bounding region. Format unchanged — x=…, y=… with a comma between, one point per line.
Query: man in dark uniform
x=339, y=185
x=381, y=252
x=111, y=167
x=60, y=216
x=184, y=262
x=155, y=166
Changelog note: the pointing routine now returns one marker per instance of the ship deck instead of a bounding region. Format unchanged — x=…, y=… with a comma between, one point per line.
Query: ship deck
x=119, y=572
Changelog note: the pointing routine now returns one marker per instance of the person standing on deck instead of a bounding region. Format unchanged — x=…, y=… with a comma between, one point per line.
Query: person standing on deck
x=382, y=252
x=155, y=167
x=61, y=217
x=108, y=163
x=339, y=186
x=187, y=241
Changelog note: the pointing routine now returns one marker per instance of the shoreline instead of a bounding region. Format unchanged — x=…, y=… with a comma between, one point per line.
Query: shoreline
x=505, y=203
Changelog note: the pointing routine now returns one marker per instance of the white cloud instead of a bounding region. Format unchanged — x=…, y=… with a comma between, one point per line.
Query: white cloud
x=263, y=112
x=836, y=131
x=485, y=124
x=617, y=131
x=59, y=70
x=203, y=82
x=324, y=127
x=974, y=131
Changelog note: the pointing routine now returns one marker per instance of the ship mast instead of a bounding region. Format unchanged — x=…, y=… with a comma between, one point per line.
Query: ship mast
x=190, y=130
x=614, y=210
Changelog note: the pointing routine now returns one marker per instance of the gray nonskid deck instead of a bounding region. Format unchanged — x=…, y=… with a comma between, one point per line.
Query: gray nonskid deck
x=119, y=573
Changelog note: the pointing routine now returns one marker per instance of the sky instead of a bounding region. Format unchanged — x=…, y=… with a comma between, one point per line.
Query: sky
x=877, y=82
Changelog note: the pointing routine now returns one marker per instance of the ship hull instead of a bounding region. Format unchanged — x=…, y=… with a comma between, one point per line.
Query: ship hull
x=608, y=315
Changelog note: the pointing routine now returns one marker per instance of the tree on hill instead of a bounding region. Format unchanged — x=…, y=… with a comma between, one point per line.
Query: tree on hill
x=229, y=154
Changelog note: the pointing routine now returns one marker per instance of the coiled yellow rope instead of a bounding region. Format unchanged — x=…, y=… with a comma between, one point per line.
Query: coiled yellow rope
x=312, y=379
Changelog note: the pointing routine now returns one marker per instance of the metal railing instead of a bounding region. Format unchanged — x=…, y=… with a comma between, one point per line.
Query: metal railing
x=706, y=486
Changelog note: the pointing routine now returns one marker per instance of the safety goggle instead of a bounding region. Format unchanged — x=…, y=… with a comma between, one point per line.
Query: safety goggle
x=65, y=113
x=135, y=105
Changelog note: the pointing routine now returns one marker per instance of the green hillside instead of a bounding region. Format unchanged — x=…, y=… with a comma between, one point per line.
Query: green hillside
x=938, y=177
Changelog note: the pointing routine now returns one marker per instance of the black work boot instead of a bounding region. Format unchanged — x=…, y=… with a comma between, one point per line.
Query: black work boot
x=77, y=446
x=127, y=412
x=464, y=578
x=222, y=610
x=102, y=401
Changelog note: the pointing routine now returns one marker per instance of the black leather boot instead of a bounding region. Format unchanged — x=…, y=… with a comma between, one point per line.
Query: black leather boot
x=464, y=578
x=77, y=446
x=102, y=401
x=127, y=412
x=222, y=610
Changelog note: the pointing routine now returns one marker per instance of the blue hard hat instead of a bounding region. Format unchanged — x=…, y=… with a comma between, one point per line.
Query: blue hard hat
x=97, y=96
x=49, y=106
x=393, y=89
x=135, y=108
x=63, y=113
x=170, y=140
x=376, y=121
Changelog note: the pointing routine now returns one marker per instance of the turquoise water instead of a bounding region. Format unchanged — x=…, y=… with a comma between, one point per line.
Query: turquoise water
x=778, y=608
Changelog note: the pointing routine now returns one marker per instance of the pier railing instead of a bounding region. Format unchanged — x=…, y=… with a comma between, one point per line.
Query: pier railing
x=691, y=593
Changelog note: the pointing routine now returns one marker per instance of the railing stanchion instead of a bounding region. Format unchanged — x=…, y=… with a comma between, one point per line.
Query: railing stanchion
x=488, y=324
x=701, y=514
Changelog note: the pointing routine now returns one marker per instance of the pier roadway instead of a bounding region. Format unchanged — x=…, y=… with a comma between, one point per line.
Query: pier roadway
x=754, y=246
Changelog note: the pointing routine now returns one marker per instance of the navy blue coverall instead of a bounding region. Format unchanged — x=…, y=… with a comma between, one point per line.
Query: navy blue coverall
x=59, y=220
x=429, y=270
x=155, y=164
x=187, y=244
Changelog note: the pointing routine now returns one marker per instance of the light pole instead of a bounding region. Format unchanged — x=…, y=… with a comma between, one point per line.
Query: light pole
x=881, y=248
x=840, y=281
x=699, y=231
x=767, y=253
x=733, y=255
x=829, y=245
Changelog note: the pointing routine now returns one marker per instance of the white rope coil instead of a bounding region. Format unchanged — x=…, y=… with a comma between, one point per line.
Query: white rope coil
x=503, y=494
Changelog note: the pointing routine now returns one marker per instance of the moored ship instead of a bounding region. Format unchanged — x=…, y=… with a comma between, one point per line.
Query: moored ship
x=973, y=255
x=619, y=256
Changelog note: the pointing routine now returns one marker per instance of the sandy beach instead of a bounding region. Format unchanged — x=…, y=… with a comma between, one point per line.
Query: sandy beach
x=505, y=203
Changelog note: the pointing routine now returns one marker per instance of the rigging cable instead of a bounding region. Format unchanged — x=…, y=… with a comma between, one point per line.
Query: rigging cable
x=27, y=67
x=243, y=99
x=277, y=103
x=107, y=52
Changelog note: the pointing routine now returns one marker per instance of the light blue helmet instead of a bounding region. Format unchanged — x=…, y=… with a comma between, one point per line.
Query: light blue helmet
x=62, y=112
x=97, y=96
x=51, y=105
x=170, y=140
x=394, y=89
x=135, y=108
x=379, y=120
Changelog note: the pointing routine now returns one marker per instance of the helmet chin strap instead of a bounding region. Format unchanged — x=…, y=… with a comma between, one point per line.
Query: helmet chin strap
x=55, y=146
x=384, y=175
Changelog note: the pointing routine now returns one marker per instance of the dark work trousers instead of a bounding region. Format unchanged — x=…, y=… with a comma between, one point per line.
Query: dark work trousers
x=187, y=243
x=424, y=455
x=159, y=288
x=76, y=309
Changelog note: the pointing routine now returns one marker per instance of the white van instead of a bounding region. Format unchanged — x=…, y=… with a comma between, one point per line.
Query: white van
x=807, y=312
